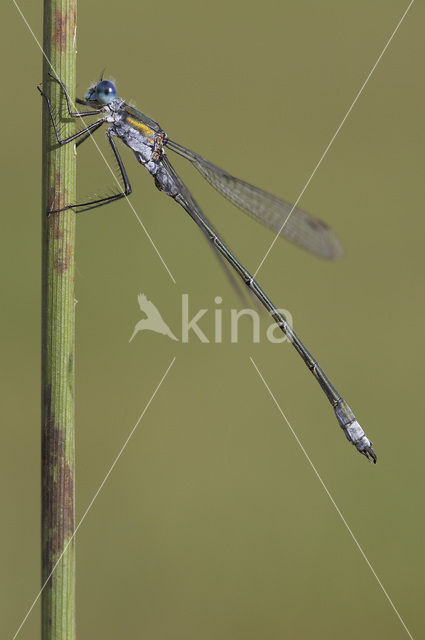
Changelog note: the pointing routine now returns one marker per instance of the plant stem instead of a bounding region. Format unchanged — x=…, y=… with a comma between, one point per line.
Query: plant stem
x=58, y=333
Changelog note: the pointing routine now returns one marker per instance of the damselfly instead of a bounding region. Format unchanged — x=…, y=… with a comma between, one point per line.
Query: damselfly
x=148, y=142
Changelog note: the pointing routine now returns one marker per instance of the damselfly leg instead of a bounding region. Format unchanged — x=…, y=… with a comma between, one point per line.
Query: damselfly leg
x=81, y=136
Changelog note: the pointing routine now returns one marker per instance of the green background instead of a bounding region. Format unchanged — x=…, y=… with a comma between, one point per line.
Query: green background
x=213, y=525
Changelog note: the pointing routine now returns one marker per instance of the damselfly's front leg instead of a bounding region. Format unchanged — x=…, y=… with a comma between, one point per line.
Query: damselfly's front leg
x=73, y=114
x=87, y=130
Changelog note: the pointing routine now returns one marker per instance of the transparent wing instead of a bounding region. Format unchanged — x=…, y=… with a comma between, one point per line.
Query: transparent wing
x=234, y=282
x=299, y=226
x=132, y=111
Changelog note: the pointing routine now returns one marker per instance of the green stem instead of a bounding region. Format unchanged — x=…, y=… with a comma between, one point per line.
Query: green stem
x=58, y=333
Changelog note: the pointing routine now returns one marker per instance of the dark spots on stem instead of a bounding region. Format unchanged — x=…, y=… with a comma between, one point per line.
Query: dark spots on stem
x=65, y=24
x=59, y=35
x=57, y=198
x=57, y=487
x=62, y=258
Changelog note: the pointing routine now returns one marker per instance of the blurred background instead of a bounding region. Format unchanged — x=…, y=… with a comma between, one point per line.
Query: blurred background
x=213, y=525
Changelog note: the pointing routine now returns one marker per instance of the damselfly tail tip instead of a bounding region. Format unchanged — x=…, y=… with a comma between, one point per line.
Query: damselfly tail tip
x=357, y=437
x=364, y=446
x=369, y=452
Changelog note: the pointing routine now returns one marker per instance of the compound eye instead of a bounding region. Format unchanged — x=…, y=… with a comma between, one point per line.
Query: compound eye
x=105, y=92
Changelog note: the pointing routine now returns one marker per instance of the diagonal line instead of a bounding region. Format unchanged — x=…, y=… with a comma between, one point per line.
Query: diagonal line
x=98, y=148
x=333, y=138
x=332, y=500
x=94, y=498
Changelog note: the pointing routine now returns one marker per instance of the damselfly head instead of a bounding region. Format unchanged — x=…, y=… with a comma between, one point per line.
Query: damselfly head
x=102, y=92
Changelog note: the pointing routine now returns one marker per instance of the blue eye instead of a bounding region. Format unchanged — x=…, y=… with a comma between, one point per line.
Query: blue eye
x=105, y=92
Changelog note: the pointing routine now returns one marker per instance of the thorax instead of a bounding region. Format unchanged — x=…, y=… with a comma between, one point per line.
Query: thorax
x=135, y=130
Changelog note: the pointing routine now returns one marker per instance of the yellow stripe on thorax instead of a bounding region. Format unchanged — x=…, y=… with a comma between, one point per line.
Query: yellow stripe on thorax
x=140, y=126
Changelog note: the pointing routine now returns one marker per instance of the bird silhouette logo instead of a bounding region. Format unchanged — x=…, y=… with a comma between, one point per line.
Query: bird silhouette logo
x=153, y=321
